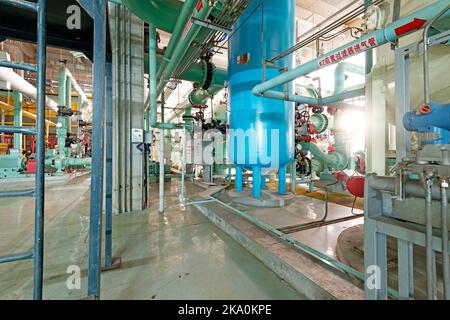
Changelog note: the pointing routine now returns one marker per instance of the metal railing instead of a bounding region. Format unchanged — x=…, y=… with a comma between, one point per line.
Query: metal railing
x=37, y=254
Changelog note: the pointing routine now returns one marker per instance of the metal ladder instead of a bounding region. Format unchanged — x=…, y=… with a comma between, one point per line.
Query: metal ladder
x=37, y=254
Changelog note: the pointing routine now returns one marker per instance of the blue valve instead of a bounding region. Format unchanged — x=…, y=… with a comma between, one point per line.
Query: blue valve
x=430, y=118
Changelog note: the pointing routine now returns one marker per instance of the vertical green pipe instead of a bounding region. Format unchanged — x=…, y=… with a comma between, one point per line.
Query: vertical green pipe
x=68, y=103
x=61, y=128
x=17, y=118
x=183, y=164
x=79, y=132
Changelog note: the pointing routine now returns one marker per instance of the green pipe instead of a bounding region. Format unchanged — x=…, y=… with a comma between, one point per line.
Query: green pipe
x=61, y=130
x=17, y=118
x=194, y=74
x=68, y=104
x=333, y=160
x=339, y=75
x=163, y=14
x=197, y=97
x=153, y=102
x=181, y=24
x=378, y=38
x=183, y=47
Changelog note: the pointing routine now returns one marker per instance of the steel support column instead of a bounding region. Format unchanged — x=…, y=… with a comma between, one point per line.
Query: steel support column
x=40, y=149
x=95, y=227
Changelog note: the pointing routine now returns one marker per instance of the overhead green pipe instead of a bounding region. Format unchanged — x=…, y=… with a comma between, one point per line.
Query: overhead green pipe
x=380, y=37
x=183, y=47
x=61, y=129
x=197, y=97
x=181, y=24
x=195, y=73
x=163, y=14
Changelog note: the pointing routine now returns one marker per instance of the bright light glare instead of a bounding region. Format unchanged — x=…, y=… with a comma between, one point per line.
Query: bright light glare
x=354, y=123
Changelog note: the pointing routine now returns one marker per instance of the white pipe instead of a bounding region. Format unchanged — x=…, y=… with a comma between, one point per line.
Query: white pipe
x=86, y=107
x=20, y=84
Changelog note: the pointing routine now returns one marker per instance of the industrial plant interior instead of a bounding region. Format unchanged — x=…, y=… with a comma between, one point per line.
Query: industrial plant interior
x=224, y=149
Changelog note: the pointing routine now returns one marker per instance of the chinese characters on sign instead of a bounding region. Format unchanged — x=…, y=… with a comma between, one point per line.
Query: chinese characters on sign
x=348, y=52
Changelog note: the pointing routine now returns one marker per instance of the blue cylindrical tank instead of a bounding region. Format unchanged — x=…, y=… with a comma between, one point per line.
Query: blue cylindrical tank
x=262, y=130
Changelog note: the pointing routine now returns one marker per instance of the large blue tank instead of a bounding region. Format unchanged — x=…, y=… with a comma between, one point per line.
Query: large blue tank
x=256, y=116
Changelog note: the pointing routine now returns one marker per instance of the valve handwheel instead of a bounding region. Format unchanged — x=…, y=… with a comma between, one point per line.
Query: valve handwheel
x=304, y=117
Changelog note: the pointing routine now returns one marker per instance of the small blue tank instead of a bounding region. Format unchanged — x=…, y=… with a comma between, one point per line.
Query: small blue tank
x=255, y=116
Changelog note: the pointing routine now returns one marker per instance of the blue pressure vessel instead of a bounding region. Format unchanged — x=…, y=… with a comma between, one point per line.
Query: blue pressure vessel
x=261, y=129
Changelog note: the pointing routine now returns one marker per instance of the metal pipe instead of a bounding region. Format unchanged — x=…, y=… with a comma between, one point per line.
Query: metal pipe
x=108, y=165
x=40, y=150
x=20, y=84
x=185, y=14
x=161, y=170
x=256, y=186
x=21, y=4
x=445, y=249
x=339, y=75
x=152, y=96
x=17, y=119
x=19, y=193
x=239, y=177
x=426, y=70
x=412, y=188
x=338, y=265
x=163, y=14
x=26, y=131
x=377, y=38
x=430, y=256
x=96, y=206
x=282, y=180
x=16, y=257
x=183, y=164
x=183, y=47
x=316, y=101
x=18, y=66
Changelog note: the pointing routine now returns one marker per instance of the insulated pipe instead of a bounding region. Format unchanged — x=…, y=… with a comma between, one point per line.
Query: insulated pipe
x=182, y=20
x=382, y=36
x=23, y=86
x=195, y=73
x=445, y=249
x=163, y=14
x=183, y=47
x=430, y=256
x=412, y=188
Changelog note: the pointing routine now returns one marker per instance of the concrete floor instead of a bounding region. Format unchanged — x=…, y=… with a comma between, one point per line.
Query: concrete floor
x=179, y=255
x=306, y=210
